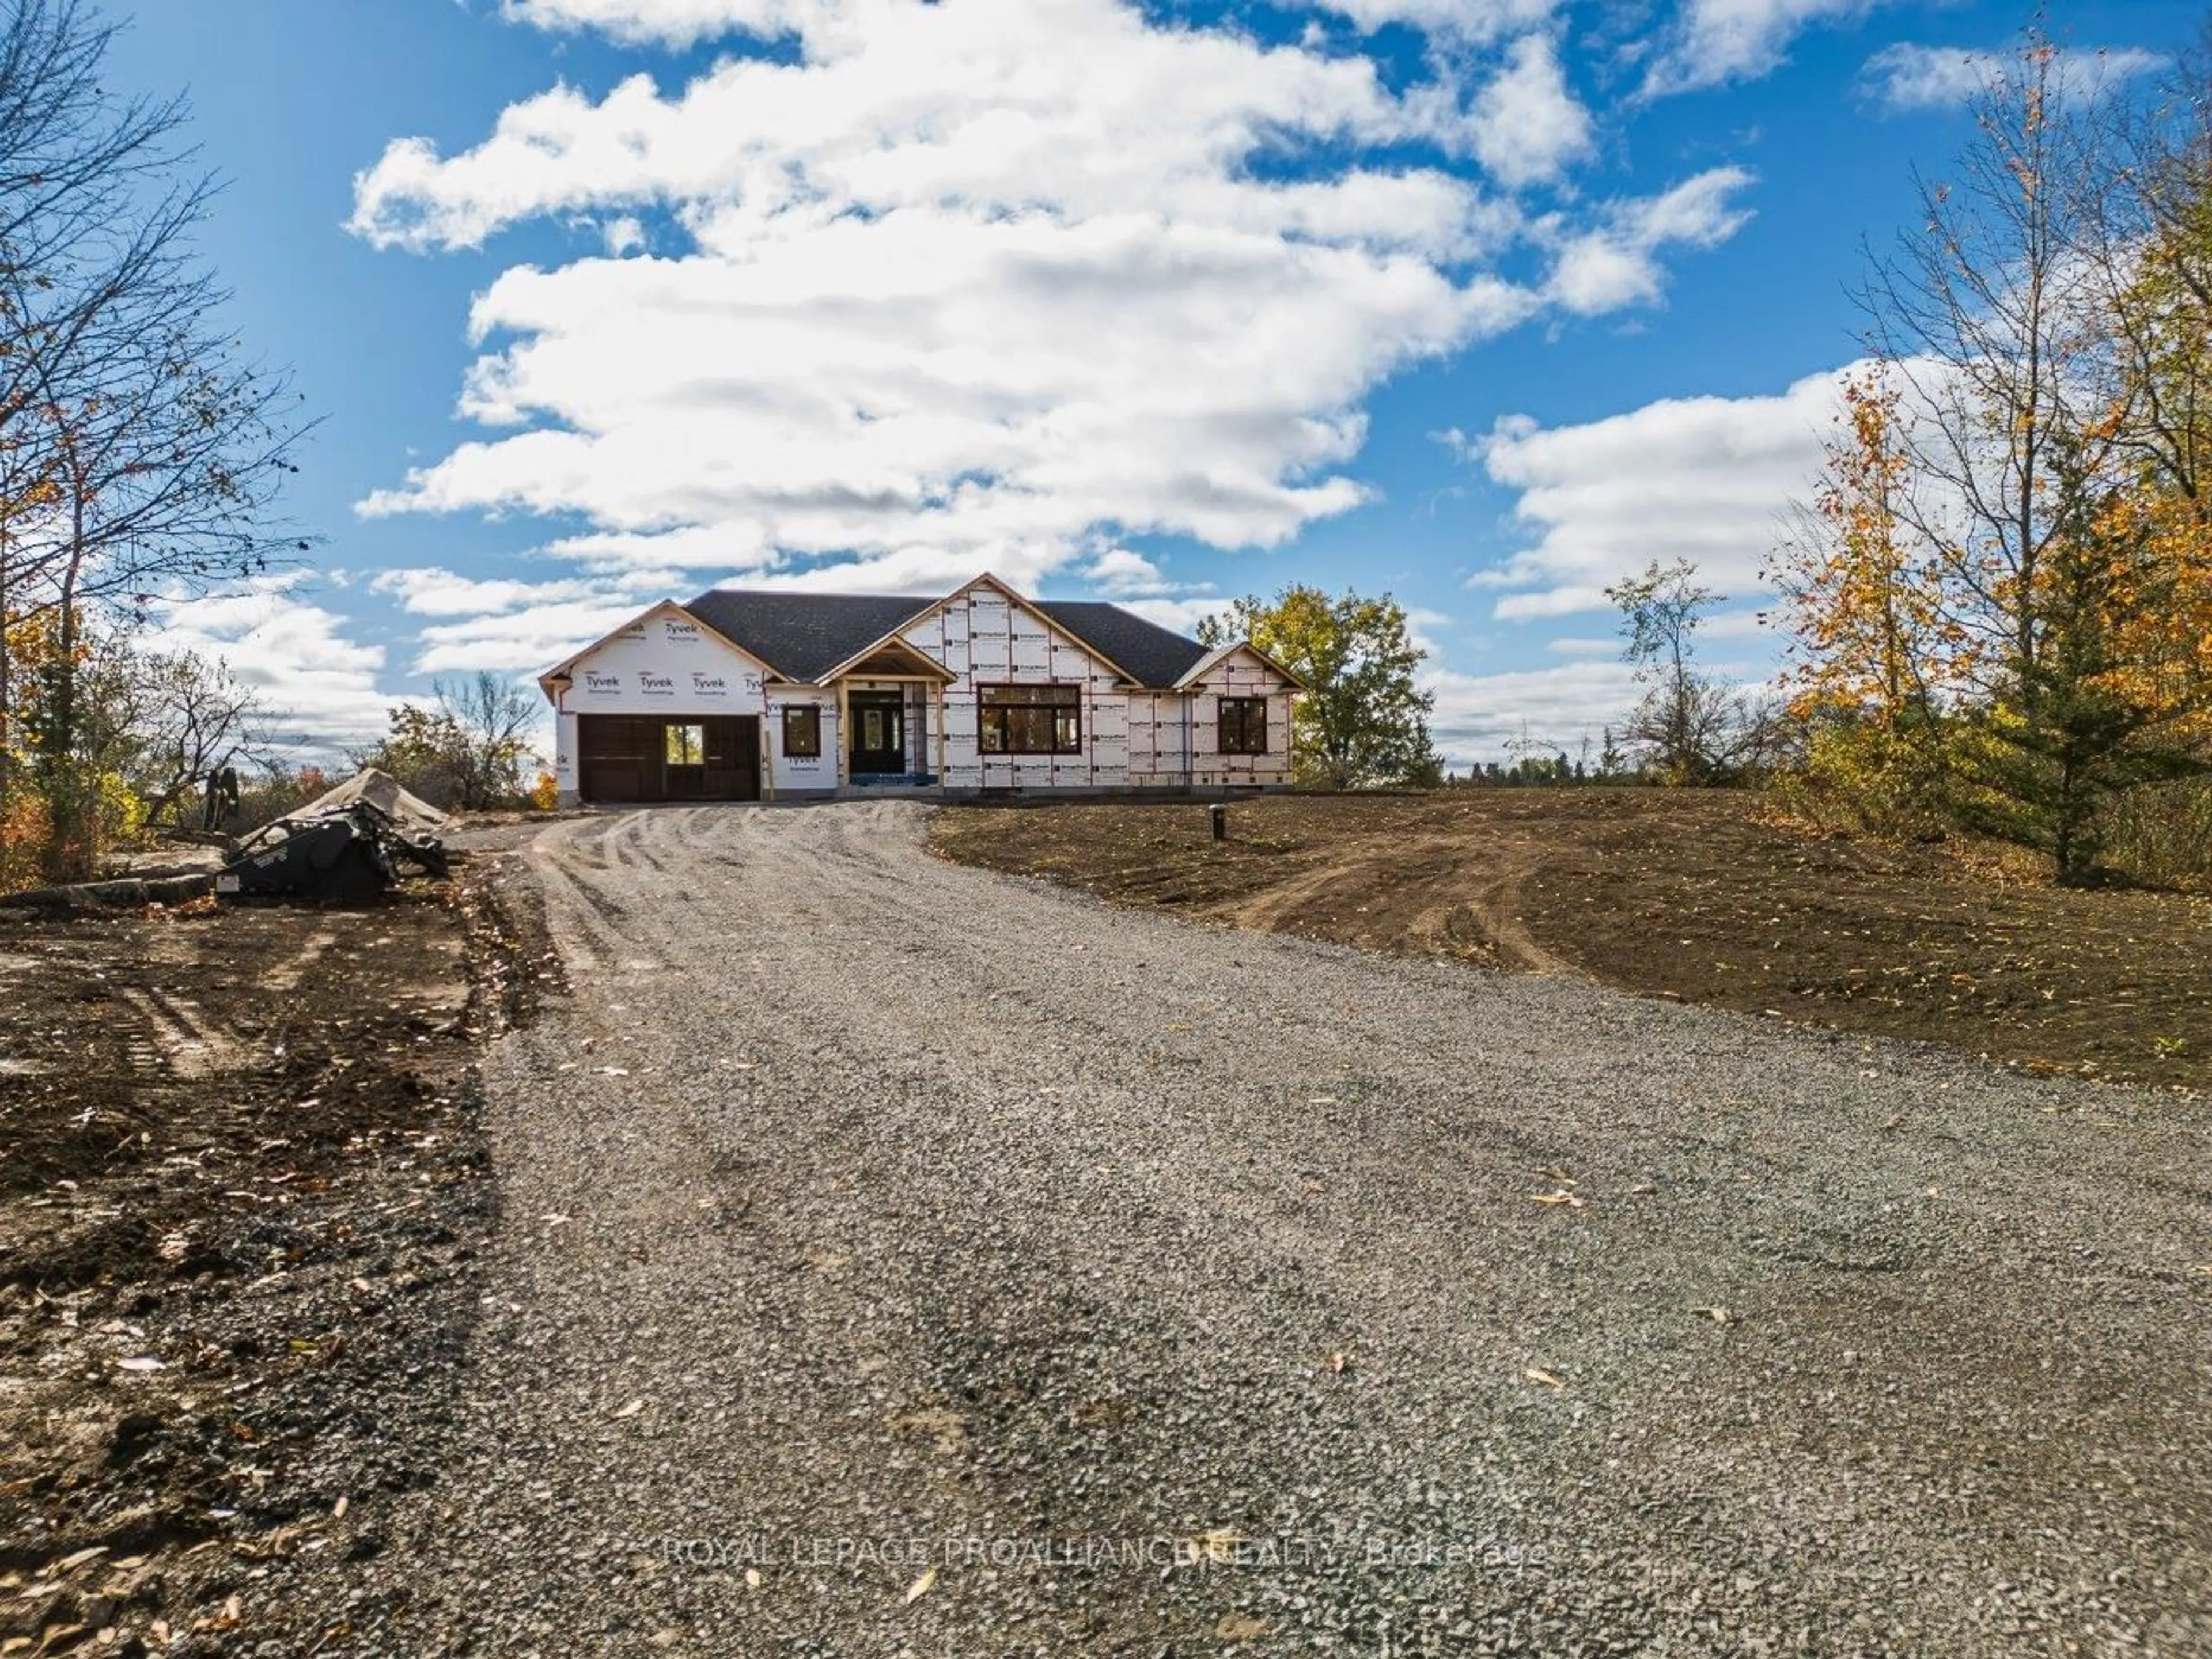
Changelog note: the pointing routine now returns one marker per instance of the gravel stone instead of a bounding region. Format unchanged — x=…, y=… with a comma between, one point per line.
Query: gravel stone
x=898, y=1259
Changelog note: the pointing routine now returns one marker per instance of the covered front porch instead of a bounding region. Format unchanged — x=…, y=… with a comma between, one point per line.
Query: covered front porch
x=890, y=709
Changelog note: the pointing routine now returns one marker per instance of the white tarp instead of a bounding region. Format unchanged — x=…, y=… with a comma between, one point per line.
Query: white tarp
x=382, y=791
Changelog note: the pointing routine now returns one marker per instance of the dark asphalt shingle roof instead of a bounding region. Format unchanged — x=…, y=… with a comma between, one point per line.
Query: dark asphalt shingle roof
x=1155, y=655
x=804, y=636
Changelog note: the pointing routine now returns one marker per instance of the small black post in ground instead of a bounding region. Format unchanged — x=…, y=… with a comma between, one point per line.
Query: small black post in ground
x=1220, y=814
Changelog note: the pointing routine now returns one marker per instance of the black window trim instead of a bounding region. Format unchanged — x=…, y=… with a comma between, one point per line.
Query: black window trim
x=1064, y=713
x=810, y=715
x=1249, y=711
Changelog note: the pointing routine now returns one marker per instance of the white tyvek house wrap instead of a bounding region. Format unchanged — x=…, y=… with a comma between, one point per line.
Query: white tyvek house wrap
x=986, y=639
x=1243, y=673
x=664, y=662
x=668, y=663
x=800, y=774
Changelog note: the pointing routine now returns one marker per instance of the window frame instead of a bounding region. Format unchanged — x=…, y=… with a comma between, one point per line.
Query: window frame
x=678, y=744
x=810, y=716
x=1249, y=709
x=1054, y=705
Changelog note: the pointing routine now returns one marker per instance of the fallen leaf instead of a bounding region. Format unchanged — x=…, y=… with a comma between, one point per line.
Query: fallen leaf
x=1239, y=1627
x=71, y=1563
x=919, y=1588
x=1538, y=1374
x=1566, y=1198
x=631, y=1410
x=338, y=1509
x=141, y=1363
x=1216, y=1545
x=1558, y=1175
x=1719, y=1315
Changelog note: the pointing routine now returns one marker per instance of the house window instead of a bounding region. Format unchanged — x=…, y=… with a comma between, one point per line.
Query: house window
x=684, y=746
x=1031, y=719
x=802, y=733
x=1244, y=726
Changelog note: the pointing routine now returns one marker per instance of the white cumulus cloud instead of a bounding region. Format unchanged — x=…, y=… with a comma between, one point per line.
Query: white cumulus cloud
x=1715, y=41
x=1906, y=77
x=1616, y=262
x=665, y=23
x=1457, y=20
x=990, y=282
x=1705, y=479
x=318, y=686
x=1478, y=716
x=1527, y=125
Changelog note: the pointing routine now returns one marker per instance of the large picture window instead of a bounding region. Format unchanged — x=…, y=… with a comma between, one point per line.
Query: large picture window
x=1031, y=719
x=802, y=733
x=1244, y=726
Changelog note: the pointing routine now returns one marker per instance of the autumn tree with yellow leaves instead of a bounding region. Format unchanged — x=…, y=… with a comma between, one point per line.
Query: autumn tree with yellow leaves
x=1872, y=656
x=1997, y=601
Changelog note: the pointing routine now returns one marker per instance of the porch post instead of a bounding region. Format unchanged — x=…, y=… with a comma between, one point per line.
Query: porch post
x=936, y=705
x=844, y=735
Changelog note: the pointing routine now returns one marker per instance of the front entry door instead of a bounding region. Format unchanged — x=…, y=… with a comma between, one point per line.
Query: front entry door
x=878, y=732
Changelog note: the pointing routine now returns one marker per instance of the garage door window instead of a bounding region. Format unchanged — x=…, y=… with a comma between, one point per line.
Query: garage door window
x=684, y=746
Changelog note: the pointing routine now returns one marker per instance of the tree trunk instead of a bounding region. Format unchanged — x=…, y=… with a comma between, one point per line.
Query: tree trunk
x=7, y=665
x=70, y=789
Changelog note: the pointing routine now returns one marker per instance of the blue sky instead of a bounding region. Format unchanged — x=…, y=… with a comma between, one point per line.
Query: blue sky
x=1481, y=302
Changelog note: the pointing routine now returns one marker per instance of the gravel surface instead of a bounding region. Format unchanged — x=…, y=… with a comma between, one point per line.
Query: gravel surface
x=897, y=1258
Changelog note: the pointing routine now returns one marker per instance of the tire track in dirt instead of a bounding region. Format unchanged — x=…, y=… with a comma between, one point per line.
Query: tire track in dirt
x=1489, y=894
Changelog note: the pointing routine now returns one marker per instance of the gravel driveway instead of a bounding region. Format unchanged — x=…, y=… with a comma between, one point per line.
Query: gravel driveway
x=897, y=1258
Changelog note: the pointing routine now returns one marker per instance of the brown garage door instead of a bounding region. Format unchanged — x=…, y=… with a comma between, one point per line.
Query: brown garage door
x=653, y=758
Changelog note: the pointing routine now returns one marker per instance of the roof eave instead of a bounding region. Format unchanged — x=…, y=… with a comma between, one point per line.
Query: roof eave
x=1206, y=664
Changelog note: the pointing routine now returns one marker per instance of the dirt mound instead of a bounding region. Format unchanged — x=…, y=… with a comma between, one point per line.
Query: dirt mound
x=1691, y=895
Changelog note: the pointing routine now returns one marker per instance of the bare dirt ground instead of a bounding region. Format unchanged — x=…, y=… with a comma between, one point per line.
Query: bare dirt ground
x=240, y=1184
x=1693, y=895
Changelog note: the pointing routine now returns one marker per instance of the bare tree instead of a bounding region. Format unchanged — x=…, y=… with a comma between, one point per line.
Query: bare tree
x=495, y=718
x=1691, y=727
x=467, y=749
x=1987, y=319
x=190, y=717
x=73, y=165
x=1660, y=613
x=139, y=451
